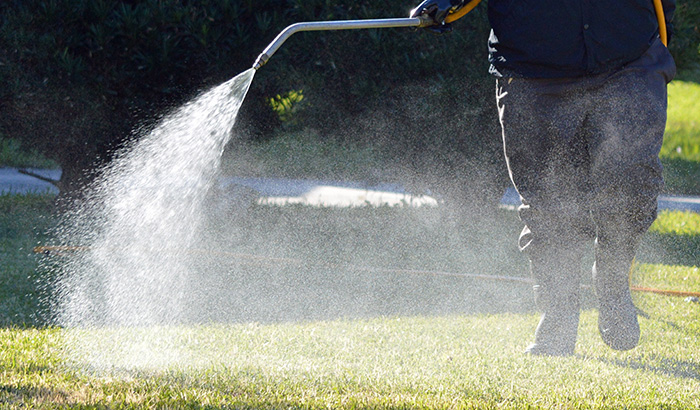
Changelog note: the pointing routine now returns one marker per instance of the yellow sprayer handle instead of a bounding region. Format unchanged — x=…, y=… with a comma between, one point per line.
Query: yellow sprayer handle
x=462, y=12
x=661, y=18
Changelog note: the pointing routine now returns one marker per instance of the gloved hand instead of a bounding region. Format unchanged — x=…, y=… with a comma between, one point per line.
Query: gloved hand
x=438, y=10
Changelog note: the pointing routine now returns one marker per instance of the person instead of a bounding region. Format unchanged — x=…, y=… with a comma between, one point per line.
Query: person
x=581, y=98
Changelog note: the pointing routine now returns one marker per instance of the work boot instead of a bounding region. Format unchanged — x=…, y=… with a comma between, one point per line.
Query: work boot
x=617, y=316
x=555, y=265
x=558, y=328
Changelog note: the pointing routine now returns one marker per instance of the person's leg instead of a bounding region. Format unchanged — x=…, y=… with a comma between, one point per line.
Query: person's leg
x=548, y=163
x=627, y=131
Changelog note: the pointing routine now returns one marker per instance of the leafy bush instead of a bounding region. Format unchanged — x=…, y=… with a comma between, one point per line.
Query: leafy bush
x=77, y=76
x=685, y=44
x=12, y=155
x=110, y=44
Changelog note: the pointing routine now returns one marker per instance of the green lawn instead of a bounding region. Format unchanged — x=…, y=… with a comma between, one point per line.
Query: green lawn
x=449, y=361
x=23, y=221
x=680, y=153
x=397, y=341
x=329, y=332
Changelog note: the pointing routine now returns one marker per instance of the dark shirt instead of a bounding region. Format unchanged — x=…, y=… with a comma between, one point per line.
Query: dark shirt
x=569, y=38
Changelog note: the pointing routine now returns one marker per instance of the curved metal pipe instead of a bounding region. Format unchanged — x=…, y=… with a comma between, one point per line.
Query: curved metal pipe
x=336, y=25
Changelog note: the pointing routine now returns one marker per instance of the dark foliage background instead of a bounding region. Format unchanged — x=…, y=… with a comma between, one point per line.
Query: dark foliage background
x=77, y=77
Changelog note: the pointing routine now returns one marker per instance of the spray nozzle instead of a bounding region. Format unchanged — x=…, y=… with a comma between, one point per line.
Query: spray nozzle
x=261, y=60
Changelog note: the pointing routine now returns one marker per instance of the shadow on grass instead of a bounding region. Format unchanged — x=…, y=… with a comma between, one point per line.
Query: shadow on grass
x=670, y=249
x=294, y=263
x=324, y=263
x=662, y=365
x=310, y=294
x=26, y=396
x=24, y=220
x=690, y=75
x=682, y=177
x=272, y=264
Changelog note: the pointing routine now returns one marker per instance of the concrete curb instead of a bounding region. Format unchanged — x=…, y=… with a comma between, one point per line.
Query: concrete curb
x=284, y=191
x=14, y=182
x=336, y=194
x=511, y=200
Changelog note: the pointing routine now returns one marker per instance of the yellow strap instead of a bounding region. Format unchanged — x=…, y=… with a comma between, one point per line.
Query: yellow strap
x=661, y=18
x=462, y=12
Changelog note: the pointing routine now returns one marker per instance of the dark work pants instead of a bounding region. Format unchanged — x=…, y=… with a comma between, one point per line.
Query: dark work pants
x=583, y=155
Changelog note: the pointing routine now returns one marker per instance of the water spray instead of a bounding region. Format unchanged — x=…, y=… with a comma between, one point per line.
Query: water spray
x=246, y=258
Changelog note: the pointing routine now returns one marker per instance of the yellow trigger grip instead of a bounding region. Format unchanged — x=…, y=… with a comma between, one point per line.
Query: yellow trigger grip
x=463, y=11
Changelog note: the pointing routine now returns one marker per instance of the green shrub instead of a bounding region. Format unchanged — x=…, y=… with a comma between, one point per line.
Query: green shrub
x=77, y=76
x=12, y=155
x=685, y=43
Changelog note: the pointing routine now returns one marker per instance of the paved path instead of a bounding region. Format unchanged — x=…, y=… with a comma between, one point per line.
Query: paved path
x=511, y=200
x=282, y=191
x=14, y=182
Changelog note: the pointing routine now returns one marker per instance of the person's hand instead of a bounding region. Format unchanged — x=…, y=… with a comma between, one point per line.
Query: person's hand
x=437, y=10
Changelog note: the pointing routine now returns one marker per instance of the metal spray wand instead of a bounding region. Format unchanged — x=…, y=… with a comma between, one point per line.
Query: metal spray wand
x=422, y=21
